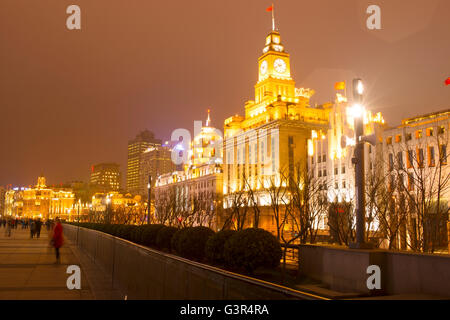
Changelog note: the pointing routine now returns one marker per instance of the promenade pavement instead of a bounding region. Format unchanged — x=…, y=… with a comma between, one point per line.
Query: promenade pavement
x=28, y=270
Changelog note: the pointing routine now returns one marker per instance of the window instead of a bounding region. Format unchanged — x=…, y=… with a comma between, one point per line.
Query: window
x=443, y=154
x=336, y=186
x=336, y=171
x=324, y=172
x=391, y=182
x=441, y=130
x=398, y=138
x=431, y=162
x=391, y=162
x=408, y=137
x=400, y=159
x=320, y=173
x=410, y=182
x=370, y=148
x=343, y=184
x=319, y=159
x=429, y=132
x=343, y=170
x=389, y=140
x=420, y=157
x=324, y=158
x=418, y=134
x=410, y=159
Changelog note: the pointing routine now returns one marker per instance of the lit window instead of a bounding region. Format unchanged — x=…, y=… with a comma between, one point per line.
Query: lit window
x=389, y=140
x=418, y=134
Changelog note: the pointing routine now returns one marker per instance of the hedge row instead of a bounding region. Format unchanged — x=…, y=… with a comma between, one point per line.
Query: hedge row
x=241, y=251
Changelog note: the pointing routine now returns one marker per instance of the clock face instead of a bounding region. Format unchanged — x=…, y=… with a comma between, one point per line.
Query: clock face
x=263, y=67
x=279, y=65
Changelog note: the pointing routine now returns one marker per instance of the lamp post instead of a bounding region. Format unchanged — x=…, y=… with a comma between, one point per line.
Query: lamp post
x=149, y=187
x=78, y=230
x=79, y=203
x=108, y=200
x=358, y=161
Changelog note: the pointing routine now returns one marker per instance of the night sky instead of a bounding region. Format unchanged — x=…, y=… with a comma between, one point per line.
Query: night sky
x=70, y=99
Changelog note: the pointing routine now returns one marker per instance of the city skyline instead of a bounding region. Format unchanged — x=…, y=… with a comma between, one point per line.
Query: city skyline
x=96, y=129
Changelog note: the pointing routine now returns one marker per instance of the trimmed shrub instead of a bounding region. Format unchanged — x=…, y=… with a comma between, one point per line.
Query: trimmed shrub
x=251, y=248
x=215, y=246
x=164, y=237
x=125, y=231
x=191, y=242
x=149, y=234
x=136, y=234
x=176, y=240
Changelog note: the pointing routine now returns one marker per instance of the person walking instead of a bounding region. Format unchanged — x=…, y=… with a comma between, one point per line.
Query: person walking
x=8, y=228
x=37, y=227
x=57, y=238
x=32, y=228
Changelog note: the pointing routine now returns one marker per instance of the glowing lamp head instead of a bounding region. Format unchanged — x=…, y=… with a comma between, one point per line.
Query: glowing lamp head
x=360, y=87
x=357, y=110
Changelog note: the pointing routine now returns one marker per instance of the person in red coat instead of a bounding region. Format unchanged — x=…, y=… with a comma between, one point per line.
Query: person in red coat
x=57, y=239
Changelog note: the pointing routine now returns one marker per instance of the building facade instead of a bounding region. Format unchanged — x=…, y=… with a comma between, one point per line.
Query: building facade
x=418, y=177
x=2, y=200
x=39, y=202
x=193, y=196
x=271, y=138
x=144, y=140
x=105, y=177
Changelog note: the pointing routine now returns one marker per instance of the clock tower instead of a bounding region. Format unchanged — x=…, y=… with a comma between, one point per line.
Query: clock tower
x=274, y=77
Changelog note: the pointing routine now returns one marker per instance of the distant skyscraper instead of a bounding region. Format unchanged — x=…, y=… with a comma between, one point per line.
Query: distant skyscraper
x=136, y=147
x=106, y=177
x=155, y=161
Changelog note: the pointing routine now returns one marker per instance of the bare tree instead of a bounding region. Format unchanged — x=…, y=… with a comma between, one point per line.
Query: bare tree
x=425, y=183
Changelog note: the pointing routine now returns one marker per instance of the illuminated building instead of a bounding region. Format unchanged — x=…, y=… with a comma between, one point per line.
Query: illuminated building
x=2, y=200
x=136, y=147
x=105, y=177
x=415, y=162
x=330, y=154
x=39, y=202
x=272, y=135
x=198, y=187
x=115, y=207
x=155, y=161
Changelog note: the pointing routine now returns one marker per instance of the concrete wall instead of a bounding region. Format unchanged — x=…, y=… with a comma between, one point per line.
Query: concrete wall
x=143, y=273
x=345, y=270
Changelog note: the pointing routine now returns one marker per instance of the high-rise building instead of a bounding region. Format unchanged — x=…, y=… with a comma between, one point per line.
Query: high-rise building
x=155, y=161
x=105, y=177
x=136, y=147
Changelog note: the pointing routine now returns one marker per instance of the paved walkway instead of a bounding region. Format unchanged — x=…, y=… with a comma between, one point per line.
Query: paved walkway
x=28, y=270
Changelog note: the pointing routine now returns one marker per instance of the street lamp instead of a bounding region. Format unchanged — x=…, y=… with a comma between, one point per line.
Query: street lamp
x=149, y=187
x=358, y=160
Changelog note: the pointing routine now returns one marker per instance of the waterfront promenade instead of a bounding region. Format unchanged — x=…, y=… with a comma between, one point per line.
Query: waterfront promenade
x=28, y=270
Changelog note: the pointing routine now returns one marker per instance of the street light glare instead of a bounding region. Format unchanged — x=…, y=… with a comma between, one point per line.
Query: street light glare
x=360, y=87
x=357, y=110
